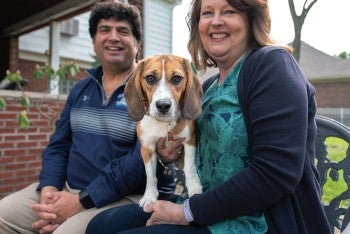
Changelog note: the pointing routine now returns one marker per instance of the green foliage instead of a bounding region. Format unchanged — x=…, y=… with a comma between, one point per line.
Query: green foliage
x=344, y=55
x=69, y=68
x=14, y=77
x=23, y=120
x=2, y=103
x=332, y=188
x=25, y=102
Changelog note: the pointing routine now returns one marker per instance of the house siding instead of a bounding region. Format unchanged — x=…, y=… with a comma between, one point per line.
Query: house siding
x=78, y=48
x=332, y=94
x=158, y=18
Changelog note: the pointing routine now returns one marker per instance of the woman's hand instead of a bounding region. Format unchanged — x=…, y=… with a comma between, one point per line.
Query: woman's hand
x=165, y=212
x=169, y=152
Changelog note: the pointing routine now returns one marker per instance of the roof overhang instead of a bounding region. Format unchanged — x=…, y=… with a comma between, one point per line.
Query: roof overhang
x=18, y=16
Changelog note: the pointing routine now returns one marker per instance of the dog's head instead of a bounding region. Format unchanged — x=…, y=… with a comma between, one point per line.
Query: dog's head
x=165, y=88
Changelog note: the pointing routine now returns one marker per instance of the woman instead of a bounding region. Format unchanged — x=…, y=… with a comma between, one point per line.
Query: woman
x=255, y=136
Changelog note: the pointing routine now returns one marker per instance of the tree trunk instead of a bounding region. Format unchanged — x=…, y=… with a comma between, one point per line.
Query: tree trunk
x=298, y=21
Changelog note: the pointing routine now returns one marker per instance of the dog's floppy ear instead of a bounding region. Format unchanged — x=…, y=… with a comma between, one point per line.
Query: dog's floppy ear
x=193, y=94
x=133, y=94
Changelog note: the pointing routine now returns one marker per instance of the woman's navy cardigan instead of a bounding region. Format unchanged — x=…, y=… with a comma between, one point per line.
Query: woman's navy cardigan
x=281, y=179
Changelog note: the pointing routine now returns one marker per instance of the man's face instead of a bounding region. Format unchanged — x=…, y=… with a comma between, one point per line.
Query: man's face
x=114, y=43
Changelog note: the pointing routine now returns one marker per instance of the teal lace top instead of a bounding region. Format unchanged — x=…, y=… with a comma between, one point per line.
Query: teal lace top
x=222, y=148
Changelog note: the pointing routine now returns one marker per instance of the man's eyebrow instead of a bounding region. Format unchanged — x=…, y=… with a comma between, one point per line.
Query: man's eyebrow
x=104, y=26
x=123, y=28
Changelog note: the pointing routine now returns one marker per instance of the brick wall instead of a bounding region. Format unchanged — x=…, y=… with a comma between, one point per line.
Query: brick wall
x=20, y=150
x=332, y=94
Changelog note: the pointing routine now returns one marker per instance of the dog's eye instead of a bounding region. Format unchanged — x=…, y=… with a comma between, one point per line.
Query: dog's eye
x=176, y=79
x=151, y=79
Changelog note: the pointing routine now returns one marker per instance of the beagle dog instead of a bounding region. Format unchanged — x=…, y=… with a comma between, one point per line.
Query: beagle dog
x=164, y=97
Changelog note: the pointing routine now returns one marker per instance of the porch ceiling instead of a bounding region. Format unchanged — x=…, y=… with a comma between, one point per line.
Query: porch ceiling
x=21, y=16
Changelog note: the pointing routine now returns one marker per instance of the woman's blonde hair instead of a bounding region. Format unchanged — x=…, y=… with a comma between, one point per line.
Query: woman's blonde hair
x=258, y=16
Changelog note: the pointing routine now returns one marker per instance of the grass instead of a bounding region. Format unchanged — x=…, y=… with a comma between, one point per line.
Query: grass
x=336, y=152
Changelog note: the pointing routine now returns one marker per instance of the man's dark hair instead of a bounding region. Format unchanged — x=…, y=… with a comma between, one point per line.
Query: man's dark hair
x=118, y=11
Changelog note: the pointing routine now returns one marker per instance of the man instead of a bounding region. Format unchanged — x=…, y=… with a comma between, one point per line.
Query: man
x=93, y=158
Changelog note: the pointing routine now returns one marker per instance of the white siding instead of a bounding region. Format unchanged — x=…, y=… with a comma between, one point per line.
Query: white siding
x=77, y=48
x=36, y=41
x=157, y=36
x=158, y=16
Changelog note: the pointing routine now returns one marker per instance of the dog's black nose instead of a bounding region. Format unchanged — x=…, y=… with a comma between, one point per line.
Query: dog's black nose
x=163, y=105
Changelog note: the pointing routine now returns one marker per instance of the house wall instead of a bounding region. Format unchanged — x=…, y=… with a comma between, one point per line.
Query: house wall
x=34, y=46
x=158, y=17
x=332, y=94
x=20, y=150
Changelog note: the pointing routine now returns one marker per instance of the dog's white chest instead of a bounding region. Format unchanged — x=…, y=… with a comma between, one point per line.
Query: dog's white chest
x=153, y=129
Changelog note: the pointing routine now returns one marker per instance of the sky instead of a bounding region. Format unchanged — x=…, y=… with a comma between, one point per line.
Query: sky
x=326, y=28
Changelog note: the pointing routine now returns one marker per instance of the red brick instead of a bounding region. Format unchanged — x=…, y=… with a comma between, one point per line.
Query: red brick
x=332, y=94
x=27, y=144
x=5, y=189
x=14, y=152
x=31, y=129
x=14, y=109
x=44, y=144
x=25, y=158
x=7, y=115
x=16, y=166
x=33, y=178
x=7, y=160
x=6, y=130
x=36, y=164
x=15, y=137
x=25, y=173
x=6, y=174
x=41, y=123
x=4, y=145
x=11, y=123
x=35, y=151
x=37, y=137
x=16, y=180
x=22, y=185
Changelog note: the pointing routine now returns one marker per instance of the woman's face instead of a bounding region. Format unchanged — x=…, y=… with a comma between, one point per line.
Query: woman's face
x=223, y=30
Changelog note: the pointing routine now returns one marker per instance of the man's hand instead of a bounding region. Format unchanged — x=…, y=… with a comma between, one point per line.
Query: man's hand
x=47, y=220
x=65, y=206
x=58, y=207
x=165, y=212
x=44, y=226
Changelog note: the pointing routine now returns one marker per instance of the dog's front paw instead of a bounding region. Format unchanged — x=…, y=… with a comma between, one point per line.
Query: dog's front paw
x=145, y=200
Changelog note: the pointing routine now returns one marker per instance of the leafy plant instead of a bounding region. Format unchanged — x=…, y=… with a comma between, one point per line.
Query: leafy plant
x=69, y=68
x=2, y=103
